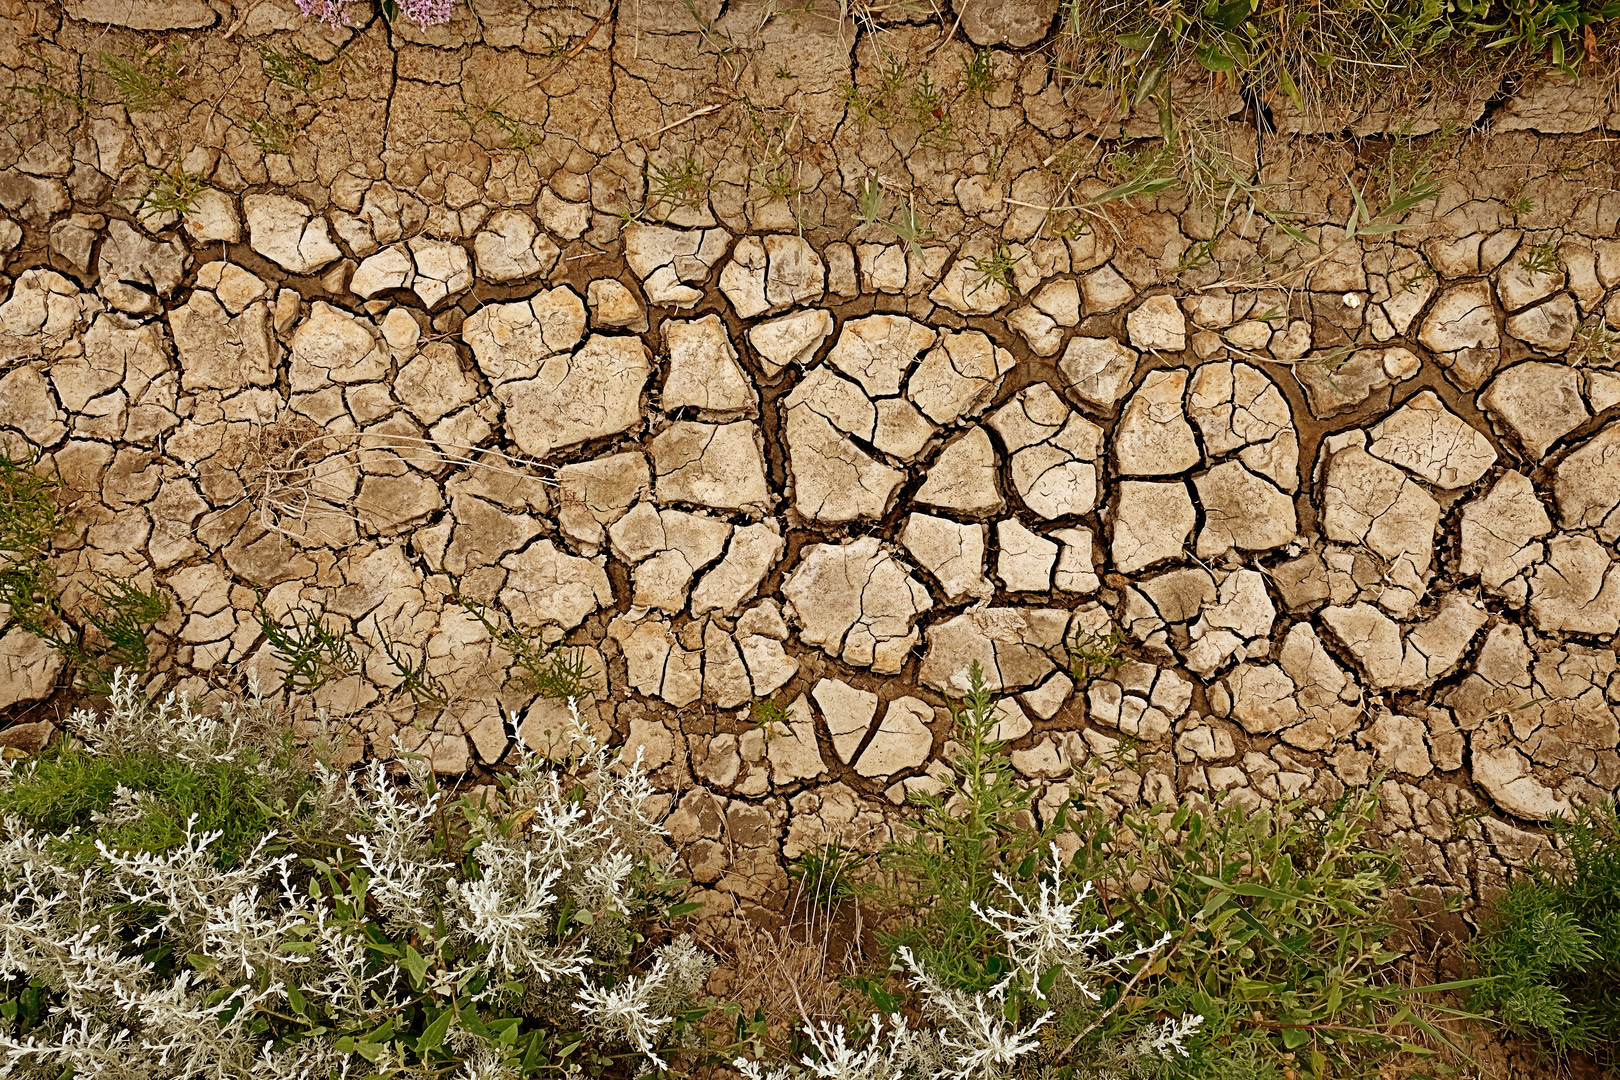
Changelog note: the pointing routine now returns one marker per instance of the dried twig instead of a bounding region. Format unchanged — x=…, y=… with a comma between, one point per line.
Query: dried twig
x=576, y=50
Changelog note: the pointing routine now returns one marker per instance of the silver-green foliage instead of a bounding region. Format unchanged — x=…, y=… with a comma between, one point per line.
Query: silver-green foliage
x=396, y=932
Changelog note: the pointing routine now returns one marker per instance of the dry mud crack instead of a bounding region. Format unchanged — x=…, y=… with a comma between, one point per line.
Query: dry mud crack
x=743, y=446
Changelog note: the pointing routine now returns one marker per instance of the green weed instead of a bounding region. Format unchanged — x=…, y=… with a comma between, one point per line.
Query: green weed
x=995, y=269
x=556, y=44
x=1320, y=57
x=477, y=113
x=927, y=105
x=313, y=653
x=968, y=832
x=269, y=136
x=143, y=802
x=1277, y=922
x=869, y=197
x=552, y=671
x=1540, y=258
x=146, y=83
x=1414, y=281
x=682, y=183
x=1549, y=948
x=910, y=229
x=1092, y=654
x=113, y=625
x=826, y=876
x=122, y=619
x=881, y=102
x=168, y=191
x=765, y=714
x=565, y=673
x=979, y=72
x=116, y=615
x=30, y=518
x=294, y=69
x=46, y=94
x=1593, y=343
x=426, y=689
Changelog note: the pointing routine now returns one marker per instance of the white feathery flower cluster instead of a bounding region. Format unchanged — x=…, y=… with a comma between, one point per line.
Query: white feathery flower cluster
x=972, y=1029
x=114, y=1017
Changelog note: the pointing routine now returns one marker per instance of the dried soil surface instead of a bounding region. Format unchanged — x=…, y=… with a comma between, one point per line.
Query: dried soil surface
x=577, y=308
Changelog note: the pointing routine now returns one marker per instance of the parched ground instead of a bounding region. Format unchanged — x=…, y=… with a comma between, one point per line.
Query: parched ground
x=576, y=307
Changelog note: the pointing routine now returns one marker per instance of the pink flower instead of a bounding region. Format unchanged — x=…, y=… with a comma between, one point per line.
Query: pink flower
x=334, y=13
x=427, y=13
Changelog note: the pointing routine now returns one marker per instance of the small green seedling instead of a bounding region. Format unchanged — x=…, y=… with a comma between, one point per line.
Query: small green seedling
x=995, y=269
x=909, y=228
x=552, y=671
x=565, y=673
x=684, y=182
x=426, y=689
x=294, y=69
x=979, y=72
x=765, y=714
x=168, y=191
x=269, y=136
x=146, y=83
x=1092, y=654
x=826, y=875
x=1540, y=259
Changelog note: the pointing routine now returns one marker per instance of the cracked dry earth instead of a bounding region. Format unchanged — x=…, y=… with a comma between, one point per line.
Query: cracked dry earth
x=732, y=458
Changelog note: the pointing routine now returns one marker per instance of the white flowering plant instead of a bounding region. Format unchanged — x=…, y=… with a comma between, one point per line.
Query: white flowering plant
x=376, y=928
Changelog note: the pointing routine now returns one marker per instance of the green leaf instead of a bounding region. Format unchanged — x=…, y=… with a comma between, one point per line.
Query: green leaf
x=685, y=909
x=416, y=965
x=433, y=1035
x=296, y=999
x=1385, y=227
x=1148, y=83
x=1214, y=59
x=1245, y=888
x=1286, y=81
x=473, y=1023
x=1293, y=1038
x=1230, y=16
x=1138, y=42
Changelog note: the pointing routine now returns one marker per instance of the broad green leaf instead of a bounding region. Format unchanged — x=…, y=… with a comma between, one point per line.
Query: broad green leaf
x=433, y=1035
x=416, y=964
x=1214, y=59
x=1286, y=81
